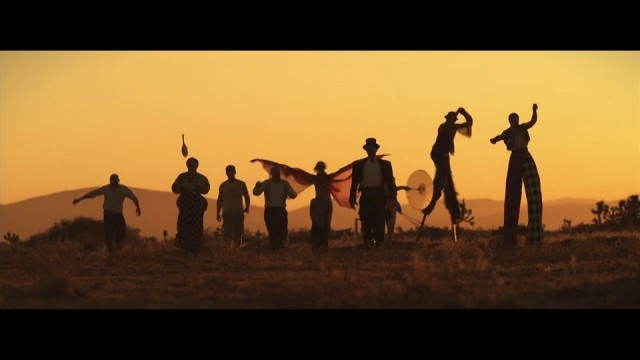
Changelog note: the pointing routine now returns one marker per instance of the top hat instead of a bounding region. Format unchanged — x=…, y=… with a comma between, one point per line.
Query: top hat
x=370, y=143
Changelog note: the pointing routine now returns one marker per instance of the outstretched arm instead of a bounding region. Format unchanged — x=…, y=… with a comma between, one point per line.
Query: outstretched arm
x=297, y=178
x=503, y=136
x=89, y=195
x=534, y=118
x=497, y=138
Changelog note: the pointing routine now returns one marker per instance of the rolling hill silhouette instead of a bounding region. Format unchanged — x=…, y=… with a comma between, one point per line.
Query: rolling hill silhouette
x=159, y=212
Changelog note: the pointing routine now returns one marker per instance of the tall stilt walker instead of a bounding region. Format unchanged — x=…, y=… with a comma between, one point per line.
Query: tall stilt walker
x=522, y=168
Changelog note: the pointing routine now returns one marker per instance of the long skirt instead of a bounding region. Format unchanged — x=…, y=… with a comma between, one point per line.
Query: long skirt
x=190, y=222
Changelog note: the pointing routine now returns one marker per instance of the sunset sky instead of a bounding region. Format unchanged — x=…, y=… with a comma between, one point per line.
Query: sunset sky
x=70, y=119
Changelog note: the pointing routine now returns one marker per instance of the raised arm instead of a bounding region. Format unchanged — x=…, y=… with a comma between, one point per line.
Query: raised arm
x=534, y=118
x=89, y=195
x=467, y=117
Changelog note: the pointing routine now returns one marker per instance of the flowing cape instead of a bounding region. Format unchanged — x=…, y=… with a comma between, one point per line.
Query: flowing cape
x=339, y=181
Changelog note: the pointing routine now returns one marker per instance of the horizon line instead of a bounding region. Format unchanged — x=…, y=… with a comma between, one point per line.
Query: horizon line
x=213, y=198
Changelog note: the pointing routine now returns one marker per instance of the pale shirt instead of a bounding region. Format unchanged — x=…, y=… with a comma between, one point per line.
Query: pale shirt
x=277, y=192
x=113, y=197
x=231, y=194
x=371, y=174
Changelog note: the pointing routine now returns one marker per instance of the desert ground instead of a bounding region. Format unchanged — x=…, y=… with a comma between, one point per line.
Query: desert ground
x=569, y=271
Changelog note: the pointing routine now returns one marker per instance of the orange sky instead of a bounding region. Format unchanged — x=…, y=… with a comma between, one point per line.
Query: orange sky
x=70, y=119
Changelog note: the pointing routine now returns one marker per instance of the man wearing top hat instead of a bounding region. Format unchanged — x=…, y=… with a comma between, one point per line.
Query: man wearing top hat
x=370, y=175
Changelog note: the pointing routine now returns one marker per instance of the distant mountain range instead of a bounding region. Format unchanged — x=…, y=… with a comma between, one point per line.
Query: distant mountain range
x=159, y=212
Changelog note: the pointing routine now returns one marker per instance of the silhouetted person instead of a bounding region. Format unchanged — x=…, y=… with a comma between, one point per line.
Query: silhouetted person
x=440, y=151
x=335, y=184
x=115, y=227
x=371, y=176
x=522, y=167
x=393, y=208
x=321, y=208
x=276, y=191
x=191, y=185
x=230, y=197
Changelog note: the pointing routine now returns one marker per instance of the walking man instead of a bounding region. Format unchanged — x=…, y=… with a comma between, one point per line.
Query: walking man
x=115, y=226
x=371, y=176
x=230, y=196
x=276, y=191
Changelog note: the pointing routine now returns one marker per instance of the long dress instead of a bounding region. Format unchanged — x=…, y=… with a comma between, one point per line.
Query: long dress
x=321, y=211
x=191, y=207
x=190, y=222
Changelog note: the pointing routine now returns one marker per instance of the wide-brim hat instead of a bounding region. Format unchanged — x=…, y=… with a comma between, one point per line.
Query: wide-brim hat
x=451, y=115
x=370, y=143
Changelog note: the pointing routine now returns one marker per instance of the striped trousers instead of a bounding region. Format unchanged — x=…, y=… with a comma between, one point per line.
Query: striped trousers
x=522, y=168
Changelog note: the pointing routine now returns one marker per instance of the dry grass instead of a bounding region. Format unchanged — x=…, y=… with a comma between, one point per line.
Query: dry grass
x=600, y=270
